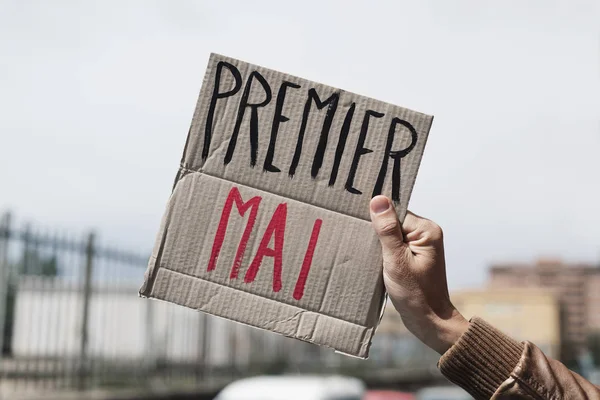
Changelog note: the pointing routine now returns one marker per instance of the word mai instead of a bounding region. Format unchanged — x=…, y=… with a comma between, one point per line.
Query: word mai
x=275, y=231
x=256, y=80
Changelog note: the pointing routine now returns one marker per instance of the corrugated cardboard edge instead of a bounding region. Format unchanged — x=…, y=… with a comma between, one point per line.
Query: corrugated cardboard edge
x=154, y=262
x=287, y=320
x=156, y=274
x=412, y=186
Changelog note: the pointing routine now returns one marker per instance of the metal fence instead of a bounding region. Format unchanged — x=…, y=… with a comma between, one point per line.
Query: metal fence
x=68, y=310
x=70, y=319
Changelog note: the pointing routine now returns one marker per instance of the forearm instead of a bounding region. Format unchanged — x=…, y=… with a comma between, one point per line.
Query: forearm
x=476, y=356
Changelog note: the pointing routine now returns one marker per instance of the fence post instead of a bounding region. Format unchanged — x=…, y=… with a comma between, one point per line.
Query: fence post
x=233, y=347
x=4, y=275
x=205, y=342
x=87, y=292
x=151, y=343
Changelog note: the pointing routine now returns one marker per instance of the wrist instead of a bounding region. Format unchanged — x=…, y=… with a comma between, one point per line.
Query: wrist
x=447, y=331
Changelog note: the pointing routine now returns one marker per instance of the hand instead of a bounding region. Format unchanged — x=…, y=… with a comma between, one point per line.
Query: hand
x=414, y=273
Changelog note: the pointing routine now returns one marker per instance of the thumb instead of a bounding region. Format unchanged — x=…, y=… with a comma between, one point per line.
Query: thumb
x=386, y=224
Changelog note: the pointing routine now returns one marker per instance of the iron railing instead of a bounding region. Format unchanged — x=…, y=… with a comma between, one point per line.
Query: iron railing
x=70, y=319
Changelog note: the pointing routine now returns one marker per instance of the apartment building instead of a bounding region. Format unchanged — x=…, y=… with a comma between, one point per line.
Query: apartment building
x=576, y=286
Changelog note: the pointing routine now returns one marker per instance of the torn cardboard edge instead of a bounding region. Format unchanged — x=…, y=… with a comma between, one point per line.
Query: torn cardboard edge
x=310, y=326
x=295, y=322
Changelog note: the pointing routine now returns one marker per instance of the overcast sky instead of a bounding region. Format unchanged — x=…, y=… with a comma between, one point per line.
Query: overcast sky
x=96, y=99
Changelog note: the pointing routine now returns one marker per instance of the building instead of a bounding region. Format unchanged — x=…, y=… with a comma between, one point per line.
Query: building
x=524, y=314
x=577, y=286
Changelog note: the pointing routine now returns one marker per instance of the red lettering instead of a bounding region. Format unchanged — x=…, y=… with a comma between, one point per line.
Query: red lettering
x=308, y=256
x=275, y=228
x=252, y=204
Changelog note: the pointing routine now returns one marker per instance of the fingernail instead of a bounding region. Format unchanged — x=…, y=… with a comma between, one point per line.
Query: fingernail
x=379, y=204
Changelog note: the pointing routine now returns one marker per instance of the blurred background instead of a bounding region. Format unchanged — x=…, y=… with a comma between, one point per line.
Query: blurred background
x=96, y=100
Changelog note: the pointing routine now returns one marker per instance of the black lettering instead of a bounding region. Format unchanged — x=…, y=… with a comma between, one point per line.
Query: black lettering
x=332, y=102
x=216, y=96
x=360, y=150
x=322, y=146
x=253, y=118
x=339, y=151
x=277, y=119
x=396, y=156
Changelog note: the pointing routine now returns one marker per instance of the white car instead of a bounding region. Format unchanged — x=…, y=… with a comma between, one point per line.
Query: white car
x=292, y=387
x=443, y=393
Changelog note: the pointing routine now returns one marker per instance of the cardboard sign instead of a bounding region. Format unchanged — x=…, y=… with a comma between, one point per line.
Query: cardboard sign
x=268, y=223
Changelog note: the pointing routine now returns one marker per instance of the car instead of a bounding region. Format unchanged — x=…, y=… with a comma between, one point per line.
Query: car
x=442, y=393
x=388, y=395
x=294, y=387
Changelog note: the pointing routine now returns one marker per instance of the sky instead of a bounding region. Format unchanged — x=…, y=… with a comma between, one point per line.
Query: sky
x=96, y=99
